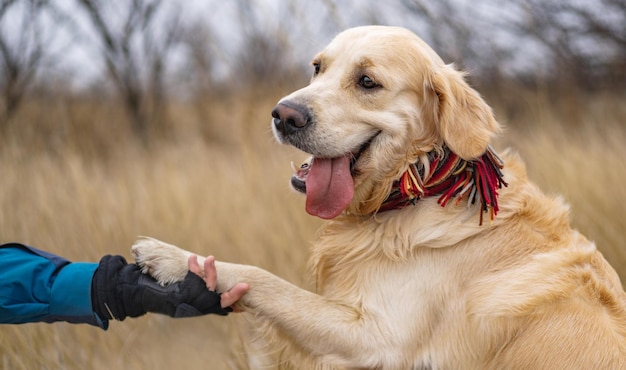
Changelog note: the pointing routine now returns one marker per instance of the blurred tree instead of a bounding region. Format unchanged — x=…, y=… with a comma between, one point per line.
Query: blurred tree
x=586, y=40
x=265, y=56
x=21, y=52
x=136, y=38
x=571, y=42
x=202, y=51
x=446, y=30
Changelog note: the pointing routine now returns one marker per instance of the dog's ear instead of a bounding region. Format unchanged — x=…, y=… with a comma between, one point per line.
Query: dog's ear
x=463, y=118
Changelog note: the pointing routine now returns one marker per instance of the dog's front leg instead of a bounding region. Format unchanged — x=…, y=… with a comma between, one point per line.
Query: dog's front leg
x=337, y=333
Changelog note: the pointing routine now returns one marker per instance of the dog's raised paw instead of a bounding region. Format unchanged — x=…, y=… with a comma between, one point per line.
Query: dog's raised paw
x=164, y=262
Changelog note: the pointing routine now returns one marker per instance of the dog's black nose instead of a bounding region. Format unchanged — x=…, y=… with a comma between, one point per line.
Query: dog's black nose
x=289, y=118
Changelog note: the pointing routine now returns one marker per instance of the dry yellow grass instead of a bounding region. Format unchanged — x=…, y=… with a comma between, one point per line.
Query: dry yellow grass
x=78, y=187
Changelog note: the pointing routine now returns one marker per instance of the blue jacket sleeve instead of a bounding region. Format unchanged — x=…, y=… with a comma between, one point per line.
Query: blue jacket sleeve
x=37, y=286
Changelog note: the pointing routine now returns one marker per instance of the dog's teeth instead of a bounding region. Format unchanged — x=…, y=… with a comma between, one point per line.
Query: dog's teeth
x=303, y=166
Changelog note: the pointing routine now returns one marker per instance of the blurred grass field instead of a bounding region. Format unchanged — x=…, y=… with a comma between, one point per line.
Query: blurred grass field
x=74, y=182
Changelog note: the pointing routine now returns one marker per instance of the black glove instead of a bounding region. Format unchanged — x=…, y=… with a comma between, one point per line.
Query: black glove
x=119, y=290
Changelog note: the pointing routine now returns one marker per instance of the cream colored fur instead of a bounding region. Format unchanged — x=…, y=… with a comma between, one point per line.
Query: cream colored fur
x=426, y=286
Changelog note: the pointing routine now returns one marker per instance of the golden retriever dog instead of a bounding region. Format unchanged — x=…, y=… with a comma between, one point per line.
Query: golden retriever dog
x=437, y=252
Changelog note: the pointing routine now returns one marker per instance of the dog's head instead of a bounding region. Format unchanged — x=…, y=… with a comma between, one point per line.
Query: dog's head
x=379, y=98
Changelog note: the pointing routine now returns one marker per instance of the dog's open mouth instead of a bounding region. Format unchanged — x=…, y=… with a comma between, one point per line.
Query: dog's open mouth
x=328, y=182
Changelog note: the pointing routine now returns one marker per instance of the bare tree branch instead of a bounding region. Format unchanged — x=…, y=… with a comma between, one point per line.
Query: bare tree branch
x=19, y=60
x=586, y=42
x=136, y=56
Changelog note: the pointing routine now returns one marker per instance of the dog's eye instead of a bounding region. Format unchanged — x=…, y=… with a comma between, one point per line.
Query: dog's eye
x=367, y=82
x=316, y=69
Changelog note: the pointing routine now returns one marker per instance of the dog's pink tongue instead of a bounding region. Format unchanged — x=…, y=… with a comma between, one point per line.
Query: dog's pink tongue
x=329, y=187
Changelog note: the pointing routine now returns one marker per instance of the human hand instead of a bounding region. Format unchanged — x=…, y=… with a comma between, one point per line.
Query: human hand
x=209, y=274
x=121, y=290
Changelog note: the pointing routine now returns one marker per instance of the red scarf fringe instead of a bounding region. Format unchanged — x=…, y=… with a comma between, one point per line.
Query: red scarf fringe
x=451, y=177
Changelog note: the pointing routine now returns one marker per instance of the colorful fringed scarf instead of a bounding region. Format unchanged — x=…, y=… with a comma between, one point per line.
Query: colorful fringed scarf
x=449, y=176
